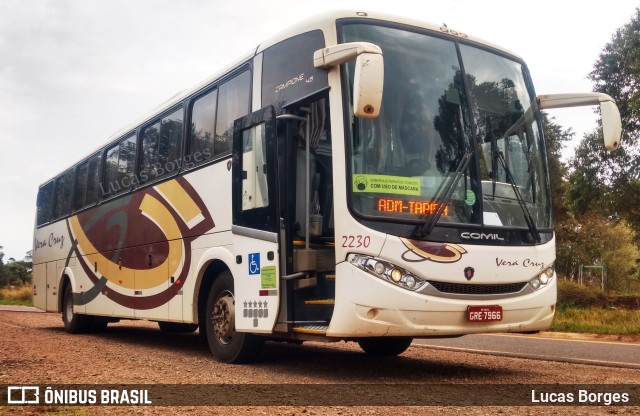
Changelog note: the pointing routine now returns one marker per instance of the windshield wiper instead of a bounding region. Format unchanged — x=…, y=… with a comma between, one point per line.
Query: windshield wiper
x=443, y=196
x=498, y=155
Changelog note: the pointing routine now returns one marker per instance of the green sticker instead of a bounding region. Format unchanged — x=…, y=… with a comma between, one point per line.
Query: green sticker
x=268, y=277
x=384, y=184
x=471, y=198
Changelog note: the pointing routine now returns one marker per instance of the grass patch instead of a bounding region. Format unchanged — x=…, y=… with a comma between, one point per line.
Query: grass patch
x=19, y=295
x=595, y=320
x=588, y=310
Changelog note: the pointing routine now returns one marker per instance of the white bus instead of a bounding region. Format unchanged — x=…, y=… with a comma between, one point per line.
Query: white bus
x=358, y=177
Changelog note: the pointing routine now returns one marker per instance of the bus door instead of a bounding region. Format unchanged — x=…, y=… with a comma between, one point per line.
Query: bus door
x=256, y=224
x=306, y=200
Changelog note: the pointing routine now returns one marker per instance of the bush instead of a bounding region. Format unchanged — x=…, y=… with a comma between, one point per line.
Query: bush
x=17, y=293
x=572, y=294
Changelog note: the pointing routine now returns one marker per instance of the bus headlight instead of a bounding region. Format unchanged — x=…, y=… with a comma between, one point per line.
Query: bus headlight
x=387, y=271
x=543, y=278
x=396, y=275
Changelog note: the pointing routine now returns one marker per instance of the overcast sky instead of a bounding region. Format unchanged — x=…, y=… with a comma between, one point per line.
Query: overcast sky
x=73, y=72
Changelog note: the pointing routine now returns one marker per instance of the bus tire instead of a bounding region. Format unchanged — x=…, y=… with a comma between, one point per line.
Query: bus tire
x=384, y=346
x=225, y=343
x=176, y=327
x=74, y=323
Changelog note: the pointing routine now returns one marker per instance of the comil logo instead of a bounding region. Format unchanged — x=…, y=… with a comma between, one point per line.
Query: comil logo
x=23, y=395
x=481, y=236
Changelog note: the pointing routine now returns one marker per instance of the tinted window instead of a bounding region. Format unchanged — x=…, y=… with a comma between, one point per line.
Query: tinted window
x=288, y=71
x=87, y=183
x=63, y=190
x=81, y=184
x=161, y=147
x=93, y=181
x=45, y=199
x=203, y=115
x=150, y=139
x=111, y=170
x=170, y=145
x=233, y=103
x=120, y=163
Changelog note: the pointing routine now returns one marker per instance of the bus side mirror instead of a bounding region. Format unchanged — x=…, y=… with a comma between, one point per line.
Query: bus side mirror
x=368, y=79
x=611, y=123
x=368, y=85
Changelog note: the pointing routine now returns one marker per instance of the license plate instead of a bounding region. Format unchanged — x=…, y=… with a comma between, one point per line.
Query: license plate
x=484, y=313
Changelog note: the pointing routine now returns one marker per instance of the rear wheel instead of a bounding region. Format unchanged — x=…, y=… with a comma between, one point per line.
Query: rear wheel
x=384, y=346
x=225, y=343
x=175, y=327
x=74, y=323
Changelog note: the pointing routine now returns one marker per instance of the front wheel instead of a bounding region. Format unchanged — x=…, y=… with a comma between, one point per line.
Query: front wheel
x=74, y=323
x=384, y=346
x=225, y=343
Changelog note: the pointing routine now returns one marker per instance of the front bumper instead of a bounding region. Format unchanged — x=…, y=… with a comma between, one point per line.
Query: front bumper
x=366, y=306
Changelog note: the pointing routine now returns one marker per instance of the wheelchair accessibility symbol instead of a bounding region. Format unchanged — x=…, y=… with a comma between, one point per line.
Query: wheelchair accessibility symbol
x=254, y=263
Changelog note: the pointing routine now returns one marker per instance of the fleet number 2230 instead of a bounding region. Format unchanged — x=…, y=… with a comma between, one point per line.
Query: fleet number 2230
x=356, y=241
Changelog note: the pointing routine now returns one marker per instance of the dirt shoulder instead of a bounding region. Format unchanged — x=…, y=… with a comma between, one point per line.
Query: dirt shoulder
x=34, y=349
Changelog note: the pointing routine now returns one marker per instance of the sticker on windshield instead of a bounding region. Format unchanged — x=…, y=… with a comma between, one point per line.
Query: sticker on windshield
x=471, y=198
x=384, y=184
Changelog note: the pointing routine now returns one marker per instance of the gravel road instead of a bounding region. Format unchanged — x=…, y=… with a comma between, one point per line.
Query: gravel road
x=34, y=349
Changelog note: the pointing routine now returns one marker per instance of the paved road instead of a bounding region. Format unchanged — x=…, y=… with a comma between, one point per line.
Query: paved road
x=605, y=353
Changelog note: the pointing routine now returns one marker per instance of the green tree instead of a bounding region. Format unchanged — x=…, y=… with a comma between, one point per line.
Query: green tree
x=587, y=187
x=610, y=182
x=3, y=275
x=556, y=139
x=597, y=240
x=18, y=272
x=617, y=73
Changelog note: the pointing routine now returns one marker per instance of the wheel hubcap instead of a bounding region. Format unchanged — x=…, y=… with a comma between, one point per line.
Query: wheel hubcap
x=223, y=318
x=68, y=309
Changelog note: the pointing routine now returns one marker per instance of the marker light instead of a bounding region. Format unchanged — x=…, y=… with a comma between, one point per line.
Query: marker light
x=396, y=275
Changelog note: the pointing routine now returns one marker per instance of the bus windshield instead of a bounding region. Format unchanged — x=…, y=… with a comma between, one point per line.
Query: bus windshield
x=443, y=100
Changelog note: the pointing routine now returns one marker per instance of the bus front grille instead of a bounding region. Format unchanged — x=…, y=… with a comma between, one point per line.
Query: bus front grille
x=477, y=289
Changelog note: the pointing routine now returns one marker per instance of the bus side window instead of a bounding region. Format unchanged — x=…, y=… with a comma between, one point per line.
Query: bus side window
x=87, y=183
x=63, y=191
x=161, y=147
x=254, y=164
x=120, y=162
x=233, y=103
x=202, y=131
x=45, y=199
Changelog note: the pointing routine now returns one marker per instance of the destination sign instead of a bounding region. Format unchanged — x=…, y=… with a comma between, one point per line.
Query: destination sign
x=404, y=206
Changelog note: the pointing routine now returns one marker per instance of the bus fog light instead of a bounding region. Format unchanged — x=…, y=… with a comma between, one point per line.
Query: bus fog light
x=396, y=275
x=410, y=281
x=535, y=283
